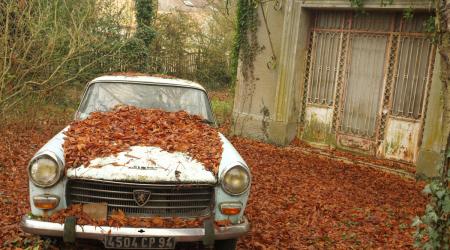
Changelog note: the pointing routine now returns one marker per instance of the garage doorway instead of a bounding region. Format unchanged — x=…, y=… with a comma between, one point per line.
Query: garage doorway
x=366, y=82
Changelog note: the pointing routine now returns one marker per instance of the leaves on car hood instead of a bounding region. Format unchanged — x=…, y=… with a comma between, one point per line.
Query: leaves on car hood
x=107, y=133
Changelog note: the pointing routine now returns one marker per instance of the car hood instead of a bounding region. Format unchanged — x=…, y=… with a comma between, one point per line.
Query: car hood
x=147, y=164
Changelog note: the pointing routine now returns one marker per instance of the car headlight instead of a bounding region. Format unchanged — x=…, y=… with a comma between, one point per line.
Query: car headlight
x=236, y=180
x=44, y=171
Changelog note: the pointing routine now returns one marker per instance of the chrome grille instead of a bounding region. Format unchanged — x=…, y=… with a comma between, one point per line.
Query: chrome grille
x=166, y=200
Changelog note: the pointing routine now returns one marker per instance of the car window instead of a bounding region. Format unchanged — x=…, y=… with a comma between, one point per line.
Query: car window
x=104, y=96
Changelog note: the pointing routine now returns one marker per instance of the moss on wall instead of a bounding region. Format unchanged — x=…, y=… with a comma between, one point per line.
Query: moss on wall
x=318, y=132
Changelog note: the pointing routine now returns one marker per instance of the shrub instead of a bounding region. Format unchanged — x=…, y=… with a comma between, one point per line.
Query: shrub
x=48, y=44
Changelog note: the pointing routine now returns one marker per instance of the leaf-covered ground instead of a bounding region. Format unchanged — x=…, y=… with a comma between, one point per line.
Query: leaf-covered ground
x=298, y=201
x=303, y=201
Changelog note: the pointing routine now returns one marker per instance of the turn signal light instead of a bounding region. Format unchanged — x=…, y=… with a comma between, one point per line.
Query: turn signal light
x=46, y=201
x=230, y=208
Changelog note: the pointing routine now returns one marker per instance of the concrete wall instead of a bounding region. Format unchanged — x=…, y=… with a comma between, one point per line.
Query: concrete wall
x=264, y=108
x=437, y=126
x=269, y=107
x=254, y=100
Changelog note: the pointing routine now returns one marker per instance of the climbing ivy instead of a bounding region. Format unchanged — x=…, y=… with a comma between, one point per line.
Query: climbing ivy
x=245, y=42
x=408, y=13
x=144, y=20
x=430, y=24
x=360, y=3
x=433, y=227
x=357, y=3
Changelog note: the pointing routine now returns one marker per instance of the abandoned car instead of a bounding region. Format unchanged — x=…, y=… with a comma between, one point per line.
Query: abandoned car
x=148, y=184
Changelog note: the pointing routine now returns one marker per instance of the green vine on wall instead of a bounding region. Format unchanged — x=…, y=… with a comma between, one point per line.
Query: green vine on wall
x=246, y=45
x=144, y=20
x=360, y=3
x=433, y=227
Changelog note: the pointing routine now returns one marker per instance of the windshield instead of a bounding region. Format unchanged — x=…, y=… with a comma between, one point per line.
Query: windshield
x=104, y=96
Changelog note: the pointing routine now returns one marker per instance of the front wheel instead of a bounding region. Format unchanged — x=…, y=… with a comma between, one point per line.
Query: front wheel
x=225, y=244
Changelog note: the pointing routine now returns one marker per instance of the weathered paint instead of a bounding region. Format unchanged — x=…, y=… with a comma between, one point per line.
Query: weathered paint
x=429, y=162
x=318, y=125
x=430, y=158
x=401, y=139
x=145, y=164
x=355, y=144
x=58, y=190
x=288, y=59
x=230, y=158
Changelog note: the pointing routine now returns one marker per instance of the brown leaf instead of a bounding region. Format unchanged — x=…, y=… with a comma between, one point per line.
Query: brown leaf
x=106, y=133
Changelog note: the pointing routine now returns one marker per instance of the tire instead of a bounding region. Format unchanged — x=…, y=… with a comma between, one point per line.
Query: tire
x=225, y=244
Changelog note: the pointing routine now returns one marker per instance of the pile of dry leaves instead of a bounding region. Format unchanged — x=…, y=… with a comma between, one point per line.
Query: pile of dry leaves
x=18, y=143
x=105, y=133
x=298, y=200
x=119, y=219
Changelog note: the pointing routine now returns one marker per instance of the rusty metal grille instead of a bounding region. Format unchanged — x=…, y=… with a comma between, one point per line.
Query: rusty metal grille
x=324, y=67
x=388, y=86
x=186, y=200
x=366, y=67
x=411, y=76
x=337, y=109
x=306, y=80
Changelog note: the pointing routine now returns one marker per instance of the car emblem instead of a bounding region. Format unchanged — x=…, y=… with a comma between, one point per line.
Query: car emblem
x=141, y=196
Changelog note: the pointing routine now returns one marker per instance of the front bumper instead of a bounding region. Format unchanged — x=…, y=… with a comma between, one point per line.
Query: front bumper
x=38, y=227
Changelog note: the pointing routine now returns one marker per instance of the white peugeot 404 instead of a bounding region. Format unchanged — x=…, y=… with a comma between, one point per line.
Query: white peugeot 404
x=145, y=191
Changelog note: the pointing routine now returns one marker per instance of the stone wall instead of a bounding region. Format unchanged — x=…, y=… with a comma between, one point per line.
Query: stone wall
x=268, y=108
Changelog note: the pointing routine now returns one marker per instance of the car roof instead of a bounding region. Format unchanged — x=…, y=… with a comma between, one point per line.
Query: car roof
x=148, y=79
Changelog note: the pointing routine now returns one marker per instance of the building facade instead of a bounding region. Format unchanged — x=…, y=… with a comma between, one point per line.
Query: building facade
x=366, y=80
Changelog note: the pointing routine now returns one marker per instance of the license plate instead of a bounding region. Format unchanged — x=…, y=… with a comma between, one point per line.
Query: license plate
x=139, y=242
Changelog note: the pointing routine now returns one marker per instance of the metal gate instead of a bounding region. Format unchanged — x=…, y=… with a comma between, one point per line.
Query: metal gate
x=363, y=89
x=366, y=74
